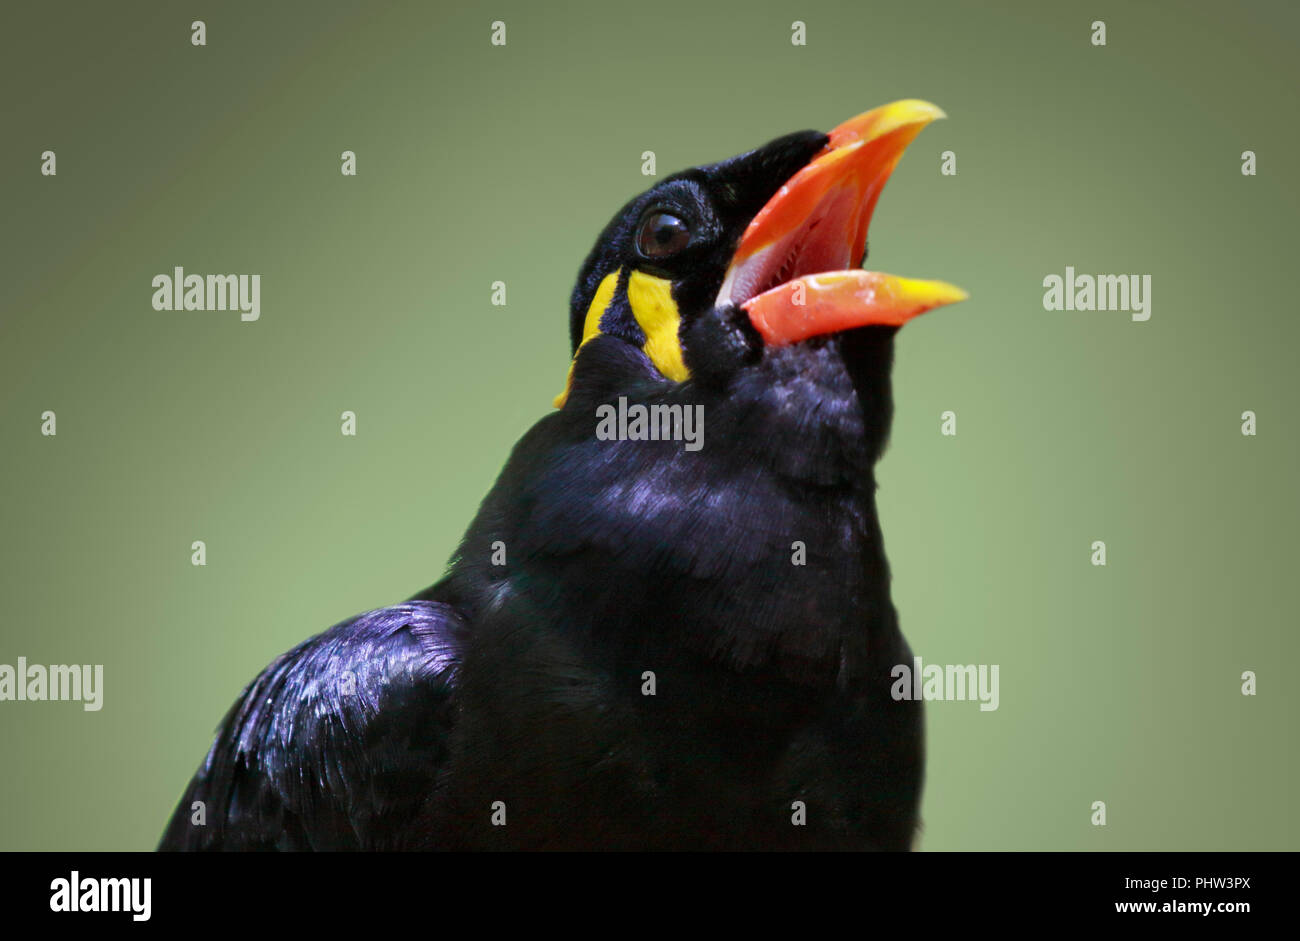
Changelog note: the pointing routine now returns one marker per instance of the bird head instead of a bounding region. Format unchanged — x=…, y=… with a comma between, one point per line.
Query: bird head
x=716, y=265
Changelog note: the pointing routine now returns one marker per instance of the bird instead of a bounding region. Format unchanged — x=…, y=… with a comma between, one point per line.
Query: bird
x=639, y=644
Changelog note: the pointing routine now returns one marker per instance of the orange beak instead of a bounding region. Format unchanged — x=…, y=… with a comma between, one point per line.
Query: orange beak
x=793, y=270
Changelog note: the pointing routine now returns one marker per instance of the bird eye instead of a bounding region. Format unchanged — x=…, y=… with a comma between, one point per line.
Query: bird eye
x=662, y=234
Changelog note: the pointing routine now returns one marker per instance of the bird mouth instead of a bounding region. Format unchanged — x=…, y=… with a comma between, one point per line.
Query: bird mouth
x=795, y=270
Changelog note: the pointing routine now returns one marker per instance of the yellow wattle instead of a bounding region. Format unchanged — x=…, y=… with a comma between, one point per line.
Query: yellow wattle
x=652, y=304
x=590, y=325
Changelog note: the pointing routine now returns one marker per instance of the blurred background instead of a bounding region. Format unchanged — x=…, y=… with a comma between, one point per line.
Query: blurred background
x=479, y=163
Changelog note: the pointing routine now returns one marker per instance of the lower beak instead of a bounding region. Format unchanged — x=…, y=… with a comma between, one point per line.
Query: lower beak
x=791, y=272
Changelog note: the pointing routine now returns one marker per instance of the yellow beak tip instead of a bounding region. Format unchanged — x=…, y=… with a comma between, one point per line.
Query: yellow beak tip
x=910, y=111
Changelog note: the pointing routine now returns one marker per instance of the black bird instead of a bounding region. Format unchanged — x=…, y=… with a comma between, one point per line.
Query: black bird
x=657, y=633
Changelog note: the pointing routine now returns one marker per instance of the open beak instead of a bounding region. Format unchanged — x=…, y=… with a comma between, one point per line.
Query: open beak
x=795, y=270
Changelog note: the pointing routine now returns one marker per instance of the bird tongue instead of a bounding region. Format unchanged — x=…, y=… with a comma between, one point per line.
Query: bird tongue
x=789, y=270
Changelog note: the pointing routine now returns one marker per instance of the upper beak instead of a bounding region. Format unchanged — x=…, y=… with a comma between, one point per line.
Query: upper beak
x=791, y=271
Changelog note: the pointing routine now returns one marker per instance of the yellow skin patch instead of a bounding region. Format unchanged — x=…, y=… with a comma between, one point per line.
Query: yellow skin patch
x=651, y=300
x=590, y=326
x=652, y=305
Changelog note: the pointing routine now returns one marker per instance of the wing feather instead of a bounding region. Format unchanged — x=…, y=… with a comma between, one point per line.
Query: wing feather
x=336, y=745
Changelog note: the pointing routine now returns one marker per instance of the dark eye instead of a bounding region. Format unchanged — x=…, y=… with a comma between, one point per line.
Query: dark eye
x=662, y=234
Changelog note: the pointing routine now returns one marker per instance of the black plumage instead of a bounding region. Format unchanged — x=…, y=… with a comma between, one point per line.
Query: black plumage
x=523, y=683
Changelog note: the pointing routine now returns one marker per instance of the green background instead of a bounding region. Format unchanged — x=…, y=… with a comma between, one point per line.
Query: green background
x=479, y=163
